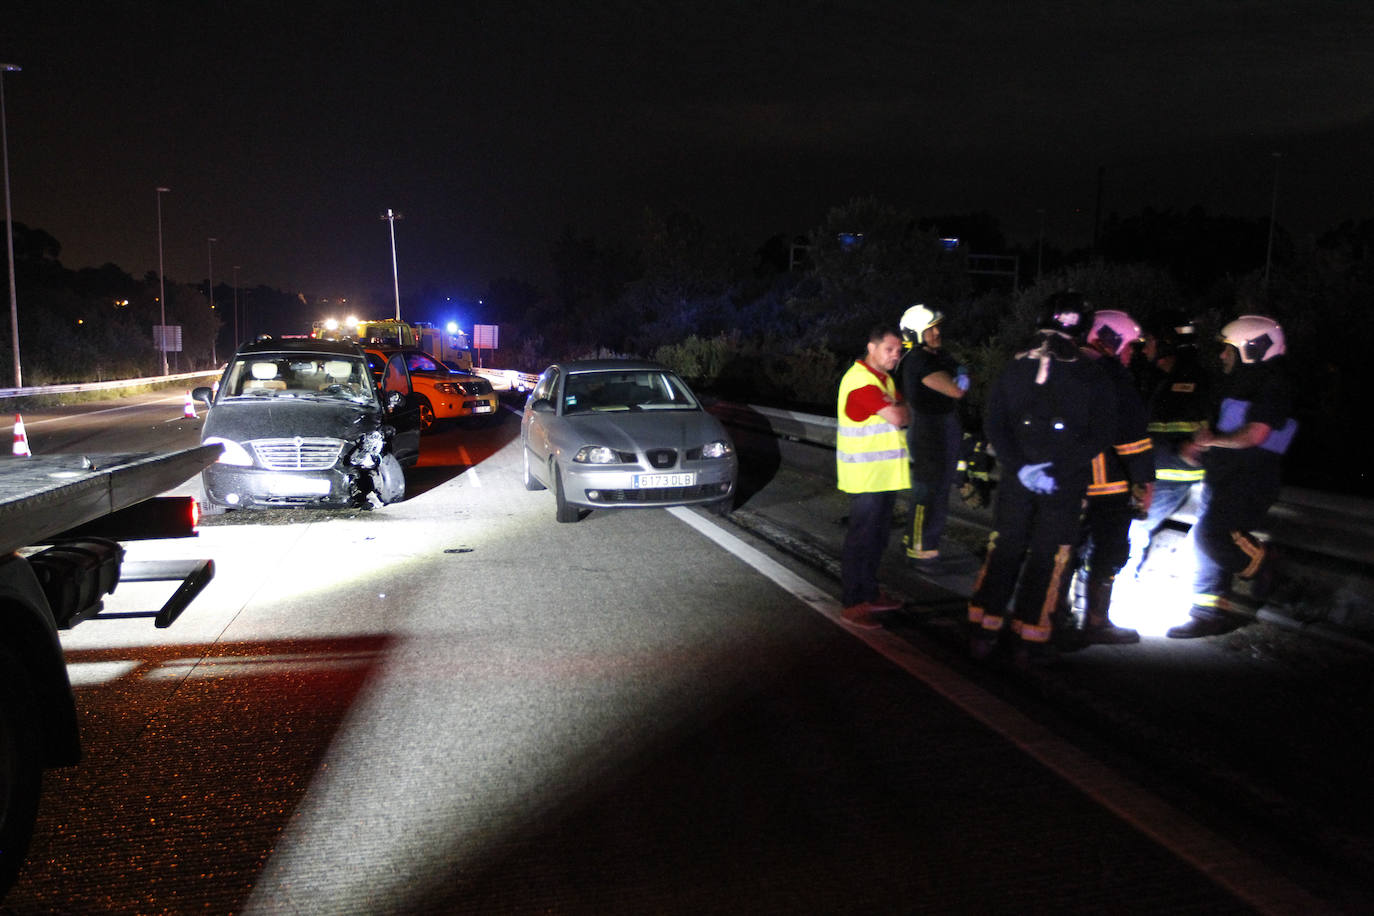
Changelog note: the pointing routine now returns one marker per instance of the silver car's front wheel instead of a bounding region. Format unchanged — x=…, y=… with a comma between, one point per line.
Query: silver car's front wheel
x=531, y=483
x=563, y=510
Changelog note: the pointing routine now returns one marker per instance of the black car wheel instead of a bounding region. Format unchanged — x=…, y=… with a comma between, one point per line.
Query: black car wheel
x=563, y=510
x=20, y=775
x=426, y=413
x=531, y=483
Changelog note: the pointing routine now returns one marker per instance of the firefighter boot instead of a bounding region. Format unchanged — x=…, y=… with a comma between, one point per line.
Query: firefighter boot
x=1098, y=628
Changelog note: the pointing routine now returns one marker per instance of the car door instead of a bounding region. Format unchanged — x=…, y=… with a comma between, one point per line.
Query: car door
x=534, y=423
x=405, y=416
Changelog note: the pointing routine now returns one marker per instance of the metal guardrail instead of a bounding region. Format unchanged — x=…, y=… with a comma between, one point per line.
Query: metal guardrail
x=509, y=378
x=112, y=385
x=1331, y=524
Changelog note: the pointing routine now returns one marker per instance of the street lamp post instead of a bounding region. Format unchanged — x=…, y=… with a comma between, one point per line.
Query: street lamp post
x=210, y=283
x=391, y=218
x=1273, y=214
x=236, y=307
x=9, y=226
x=161, y=285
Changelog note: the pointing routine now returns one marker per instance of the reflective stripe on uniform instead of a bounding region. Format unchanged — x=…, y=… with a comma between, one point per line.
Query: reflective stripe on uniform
x=1180, y=475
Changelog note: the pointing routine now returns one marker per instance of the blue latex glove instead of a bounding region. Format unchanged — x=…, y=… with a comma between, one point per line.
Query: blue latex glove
x=962, y=381
x=1034, y=478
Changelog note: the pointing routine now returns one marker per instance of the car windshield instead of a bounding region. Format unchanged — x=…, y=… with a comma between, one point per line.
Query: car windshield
x=298, y=375
x=638, y=389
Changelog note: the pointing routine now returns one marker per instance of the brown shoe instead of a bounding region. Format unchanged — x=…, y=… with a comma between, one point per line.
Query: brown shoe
x=860, y=615
x=1108, y=634
x=885, y=602
x=1203, y=626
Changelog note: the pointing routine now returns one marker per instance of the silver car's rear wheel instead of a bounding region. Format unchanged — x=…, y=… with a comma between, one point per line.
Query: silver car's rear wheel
x=563, y=510
x=531, y=483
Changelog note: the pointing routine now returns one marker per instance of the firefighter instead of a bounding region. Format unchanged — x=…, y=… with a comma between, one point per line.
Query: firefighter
x=1178, y=406
x=932, y=384
x=871, y=466
x=1122, y=481
x=1048, y=414
x=1241, y=451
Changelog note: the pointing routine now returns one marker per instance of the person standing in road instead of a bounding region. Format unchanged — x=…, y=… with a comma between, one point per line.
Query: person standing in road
x=1122, y=481
x=1178, y=406
x=1241, y=452
x=1049, y=412
x=932, y=385
x=871, y=466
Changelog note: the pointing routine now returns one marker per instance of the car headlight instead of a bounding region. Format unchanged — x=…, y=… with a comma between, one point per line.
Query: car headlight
x=596, y=454
x=717, y=449
x=448, y=388
x=233, y=452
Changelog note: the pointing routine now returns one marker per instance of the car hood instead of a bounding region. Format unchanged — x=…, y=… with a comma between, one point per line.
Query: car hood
x=631, y=429
x=284, y=418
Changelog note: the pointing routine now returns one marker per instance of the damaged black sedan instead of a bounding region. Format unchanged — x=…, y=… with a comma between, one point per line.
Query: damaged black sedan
x=304, y=423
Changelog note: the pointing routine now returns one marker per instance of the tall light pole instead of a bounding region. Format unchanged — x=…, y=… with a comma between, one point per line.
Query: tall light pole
x=210, y=283
x=391, y=218
x=161, y=286
x=236, y=307
x=1273, y=214
x=9, y=226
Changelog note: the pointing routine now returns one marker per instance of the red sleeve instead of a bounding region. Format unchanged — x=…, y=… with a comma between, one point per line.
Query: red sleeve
x=864, y=402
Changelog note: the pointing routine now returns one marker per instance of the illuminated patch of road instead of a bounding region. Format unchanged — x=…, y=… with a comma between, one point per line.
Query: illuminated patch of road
x=1213, y=855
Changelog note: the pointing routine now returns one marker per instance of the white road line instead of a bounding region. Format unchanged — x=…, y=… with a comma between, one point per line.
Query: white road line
x=1211, y=854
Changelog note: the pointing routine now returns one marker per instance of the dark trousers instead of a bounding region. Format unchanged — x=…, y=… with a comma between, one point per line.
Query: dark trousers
x=1222, y=541
x=933, y=441
x=865, y=541
x=1106, y=534
x=1032, y=542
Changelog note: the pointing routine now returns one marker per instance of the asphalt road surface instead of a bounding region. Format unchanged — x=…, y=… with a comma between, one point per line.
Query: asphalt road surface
x=455, y=704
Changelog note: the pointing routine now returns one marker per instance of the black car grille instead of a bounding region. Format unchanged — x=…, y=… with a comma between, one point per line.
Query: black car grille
x=661, y=457
x=298, y=454
x=657, y=494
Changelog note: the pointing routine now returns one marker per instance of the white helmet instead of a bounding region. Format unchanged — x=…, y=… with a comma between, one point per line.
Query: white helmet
x=917, y=319
x=1256, y=337
x=1113, y=331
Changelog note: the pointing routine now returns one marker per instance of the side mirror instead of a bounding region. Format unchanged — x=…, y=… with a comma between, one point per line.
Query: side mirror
x=543, y=405
x=203, y=393
x=394, y=401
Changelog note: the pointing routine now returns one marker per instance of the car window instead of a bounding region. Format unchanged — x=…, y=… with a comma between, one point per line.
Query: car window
x=546, y=385
x=420, y=362
x=615, y=390
x=396, y=377
x=293, y=375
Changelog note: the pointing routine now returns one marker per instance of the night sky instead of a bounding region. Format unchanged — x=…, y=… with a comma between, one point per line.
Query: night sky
x=285, y=129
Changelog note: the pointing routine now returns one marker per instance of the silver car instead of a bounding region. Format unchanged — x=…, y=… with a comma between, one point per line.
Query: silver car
x=606, y=434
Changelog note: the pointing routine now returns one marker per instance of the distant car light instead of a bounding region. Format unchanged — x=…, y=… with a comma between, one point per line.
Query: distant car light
x=596, y=454
x=233, y=452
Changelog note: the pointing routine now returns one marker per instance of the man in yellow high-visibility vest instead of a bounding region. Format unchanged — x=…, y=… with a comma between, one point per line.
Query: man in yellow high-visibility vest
x=871, y=466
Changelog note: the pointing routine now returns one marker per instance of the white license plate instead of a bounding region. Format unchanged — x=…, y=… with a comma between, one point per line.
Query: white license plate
x=295, y=485
x=482, y=408
x=654, y=481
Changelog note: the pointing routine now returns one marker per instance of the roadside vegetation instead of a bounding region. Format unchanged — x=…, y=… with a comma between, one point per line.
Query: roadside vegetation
x=778, y=323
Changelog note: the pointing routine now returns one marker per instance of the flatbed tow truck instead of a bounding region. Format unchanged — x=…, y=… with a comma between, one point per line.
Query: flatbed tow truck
x=62, y=518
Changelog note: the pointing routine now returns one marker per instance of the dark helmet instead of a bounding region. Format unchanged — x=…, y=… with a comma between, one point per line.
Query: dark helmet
x=1066, y=312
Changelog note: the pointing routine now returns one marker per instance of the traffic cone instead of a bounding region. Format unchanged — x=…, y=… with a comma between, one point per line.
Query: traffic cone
x=189, y=411
x=21, y=439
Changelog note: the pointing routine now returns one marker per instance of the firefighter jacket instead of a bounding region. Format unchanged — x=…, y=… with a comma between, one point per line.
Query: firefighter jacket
x=1050, y=405
x=1130, y=460
x=870, y=454
x=1179, y=406
x=1252, y=394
